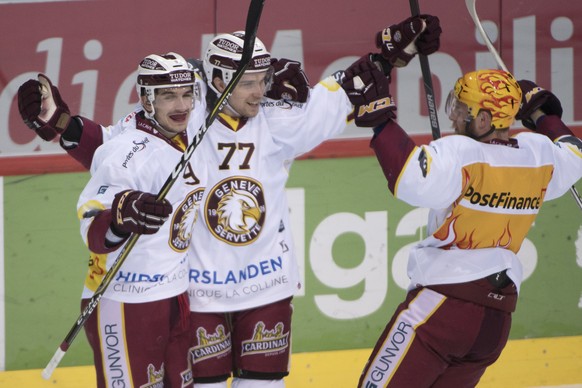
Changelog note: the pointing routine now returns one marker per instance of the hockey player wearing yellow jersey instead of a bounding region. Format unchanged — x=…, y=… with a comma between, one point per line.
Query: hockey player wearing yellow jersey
x=484, y=189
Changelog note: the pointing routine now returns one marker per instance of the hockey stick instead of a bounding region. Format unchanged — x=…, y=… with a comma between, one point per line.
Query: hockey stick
x=471, y=7
x=427, y=79
x=252, y=25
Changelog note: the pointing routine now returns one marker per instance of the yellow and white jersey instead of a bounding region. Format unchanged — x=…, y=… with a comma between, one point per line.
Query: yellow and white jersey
x=484, y=198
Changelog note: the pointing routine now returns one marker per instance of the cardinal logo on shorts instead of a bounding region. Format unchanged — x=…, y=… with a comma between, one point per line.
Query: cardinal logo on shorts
x=155, y=377
x=266, y=340
x=210, y=345
x=235, y=210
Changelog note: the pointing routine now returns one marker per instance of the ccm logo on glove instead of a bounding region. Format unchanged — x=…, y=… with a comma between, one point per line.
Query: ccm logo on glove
x=139, y=212
x=374, y=106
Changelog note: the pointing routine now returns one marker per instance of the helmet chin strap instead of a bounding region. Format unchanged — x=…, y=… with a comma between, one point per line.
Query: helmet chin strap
x=151, y=116
x=469, y=131
x=489, y=132
x=150, y=98
x=232, y=111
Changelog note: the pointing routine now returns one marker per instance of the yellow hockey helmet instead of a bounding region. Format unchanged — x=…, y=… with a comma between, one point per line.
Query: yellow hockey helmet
x=493, y=90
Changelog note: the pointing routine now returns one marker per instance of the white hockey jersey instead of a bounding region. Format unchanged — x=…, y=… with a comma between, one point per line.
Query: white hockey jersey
x=483, y=199
x=242, y=253
x=157, y=266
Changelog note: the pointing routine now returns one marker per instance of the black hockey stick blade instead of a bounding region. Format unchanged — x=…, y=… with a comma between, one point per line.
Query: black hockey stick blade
x=252, y=25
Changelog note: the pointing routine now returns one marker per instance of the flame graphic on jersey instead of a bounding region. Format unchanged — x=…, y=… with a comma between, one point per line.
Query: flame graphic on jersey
x=505, y=236
x=467, y=242
x=96, y=270
x=238, y=212
x=446, y=232
x=451, y=230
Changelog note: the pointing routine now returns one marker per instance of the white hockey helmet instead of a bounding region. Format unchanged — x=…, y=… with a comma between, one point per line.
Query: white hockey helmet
x=224, y=53
x=170, y=70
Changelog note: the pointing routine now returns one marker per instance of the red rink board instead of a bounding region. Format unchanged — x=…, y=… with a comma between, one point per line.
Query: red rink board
x=94, y=65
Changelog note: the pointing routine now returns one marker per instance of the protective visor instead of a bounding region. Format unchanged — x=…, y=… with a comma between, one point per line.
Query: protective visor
x=455, y=109
x=265, y=82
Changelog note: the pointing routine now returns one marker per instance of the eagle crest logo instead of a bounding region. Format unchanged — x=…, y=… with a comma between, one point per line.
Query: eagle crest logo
x=184, y=219
x=235, y=210
x=238, y=212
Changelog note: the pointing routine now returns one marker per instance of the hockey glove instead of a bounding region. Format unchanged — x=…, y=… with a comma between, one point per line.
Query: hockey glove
x=369, y=91
x=289, y=81
x=138, y=212
x=533, y=98
x=42, y=108
x=429, y=40
x=397, y=41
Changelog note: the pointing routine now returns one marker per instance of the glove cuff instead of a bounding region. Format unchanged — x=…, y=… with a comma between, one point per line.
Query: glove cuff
x=553, y=127
x=47, y=133
x=97, y=235
x=382, y=64
x=114, y=234
x=57, y=124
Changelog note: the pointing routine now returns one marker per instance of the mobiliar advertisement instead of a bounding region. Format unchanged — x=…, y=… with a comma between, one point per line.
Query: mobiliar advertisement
x=91, y=49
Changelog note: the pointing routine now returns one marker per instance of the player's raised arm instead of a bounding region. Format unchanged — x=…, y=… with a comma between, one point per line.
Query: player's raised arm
x=43, y=110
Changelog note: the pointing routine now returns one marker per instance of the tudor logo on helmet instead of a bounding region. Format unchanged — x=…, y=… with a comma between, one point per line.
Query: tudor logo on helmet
x=181, y=76
x=170, y=70
x=150, y=63
x=224, y=54
x=164, y=71
x=227, y=45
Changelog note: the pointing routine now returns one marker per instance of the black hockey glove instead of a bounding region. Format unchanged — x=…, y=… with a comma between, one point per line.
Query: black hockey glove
x=400, y=42
x=429, y=40
x=533, y=98
x=289, y=81
x=42, y=108
x=368, y=89
x=138, y=212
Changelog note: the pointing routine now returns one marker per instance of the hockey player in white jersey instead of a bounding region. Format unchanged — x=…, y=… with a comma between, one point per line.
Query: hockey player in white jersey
x=140, y=331
x=79, y=136
x=243, y=271
x=484, y=189
x=49, y=116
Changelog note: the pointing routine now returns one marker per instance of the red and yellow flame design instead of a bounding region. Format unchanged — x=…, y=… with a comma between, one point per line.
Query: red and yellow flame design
x=493, y=90
x=484, y=225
